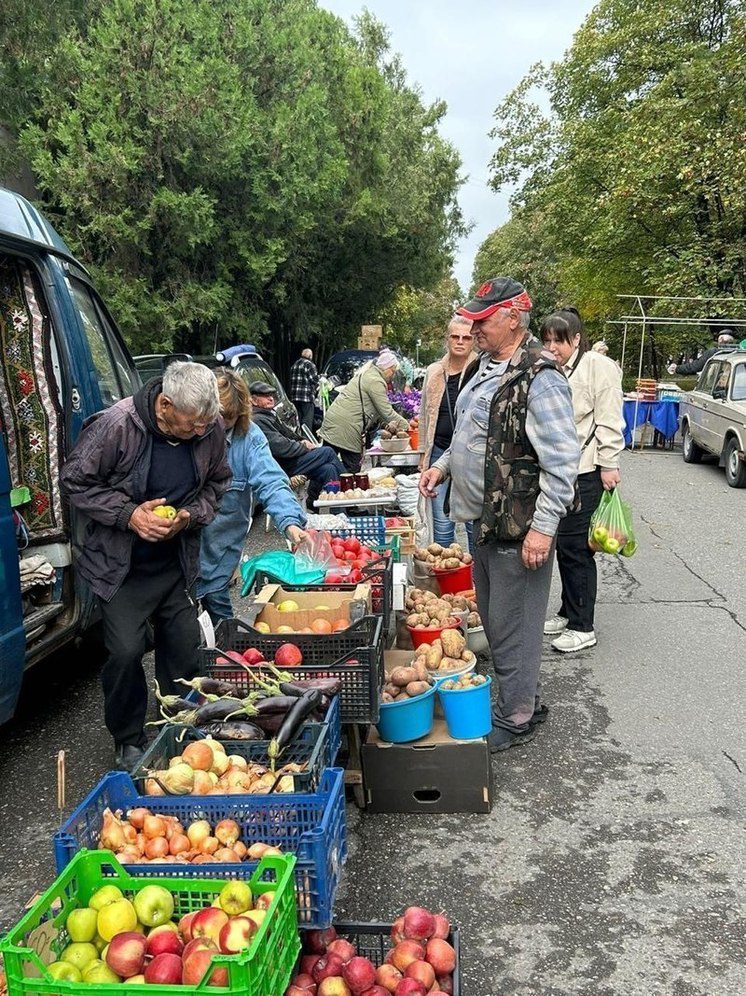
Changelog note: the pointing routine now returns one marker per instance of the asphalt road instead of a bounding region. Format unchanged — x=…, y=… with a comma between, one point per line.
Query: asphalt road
x=612, y=862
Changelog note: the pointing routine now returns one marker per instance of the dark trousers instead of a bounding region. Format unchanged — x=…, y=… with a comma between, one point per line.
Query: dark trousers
x=320, y=466
x=305, y=412
x=575, y=559
x=351, y=460
x=160, y=597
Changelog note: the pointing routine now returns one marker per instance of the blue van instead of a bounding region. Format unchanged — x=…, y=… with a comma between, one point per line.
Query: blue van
x=61, y=360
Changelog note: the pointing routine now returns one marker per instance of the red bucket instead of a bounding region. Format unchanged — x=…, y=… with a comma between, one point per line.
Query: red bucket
x=420, y=635
x=457, y=579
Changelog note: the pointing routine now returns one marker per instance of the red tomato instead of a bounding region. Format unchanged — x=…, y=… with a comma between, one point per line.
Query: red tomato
x=349, y=555
x=358, y=564
x=333, y=578
x=352, y=544
x=354, y=577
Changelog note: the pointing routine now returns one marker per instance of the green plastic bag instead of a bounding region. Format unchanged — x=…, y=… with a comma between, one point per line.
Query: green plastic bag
x=281, y=566
x=611, y=529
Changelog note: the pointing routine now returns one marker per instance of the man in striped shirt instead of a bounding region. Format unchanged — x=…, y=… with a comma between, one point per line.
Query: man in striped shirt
x=515, y=428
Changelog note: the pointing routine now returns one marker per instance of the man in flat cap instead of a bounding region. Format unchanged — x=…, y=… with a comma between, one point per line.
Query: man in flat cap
x=512, y=466
x=294, y=453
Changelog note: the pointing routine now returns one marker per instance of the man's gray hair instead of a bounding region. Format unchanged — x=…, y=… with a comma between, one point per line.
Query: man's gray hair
x=193, y=389
x=307, y=354
x=726, y=337
x=525, y=317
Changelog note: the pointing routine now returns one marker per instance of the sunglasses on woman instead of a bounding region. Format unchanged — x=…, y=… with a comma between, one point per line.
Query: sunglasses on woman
x=461, y=338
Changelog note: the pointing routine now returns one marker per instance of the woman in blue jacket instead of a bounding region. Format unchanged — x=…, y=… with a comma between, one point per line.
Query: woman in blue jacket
x=255, y=474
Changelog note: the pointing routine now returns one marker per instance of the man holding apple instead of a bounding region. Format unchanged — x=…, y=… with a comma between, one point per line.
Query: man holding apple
x=512, y=466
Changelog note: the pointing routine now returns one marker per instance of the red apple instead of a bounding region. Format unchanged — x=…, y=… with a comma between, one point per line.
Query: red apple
x=405, y=953
x=288, y=655
x=233, y=657
x=165, y=970
x=388, y=977
x=185, y=925
x=419, y=923
x=209, y=922
x=423, y=972
x=125, y=954
x=343, y=949
x=307, y=962
x=445, y=984
x=304, y=981
x=441, y=956
x=198, y=944
x=326, y=967
x=333, y=986
x=442, y=927
x=163, y=940
x=397, y=930
x=410, y=987
x=333, y=578
x=317, y=941
x=352, y=543
x=195, y=966
x=359, y=974
x=253, y=656
x=236, y=934
x=376, y=991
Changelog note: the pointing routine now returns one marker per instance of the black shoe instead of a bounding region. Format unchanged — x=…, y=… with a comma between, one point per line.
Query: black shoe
x=128, y=756
x=540, y=716
x=502, y=739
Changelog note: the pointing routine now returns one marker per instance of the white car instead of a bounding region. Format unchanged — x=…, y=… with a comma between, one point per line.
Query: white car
x=712, y=417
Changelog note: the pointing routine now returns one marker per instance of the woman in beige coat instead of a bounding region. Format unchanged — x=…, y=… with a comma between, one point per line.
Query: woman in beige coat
x=443, y=381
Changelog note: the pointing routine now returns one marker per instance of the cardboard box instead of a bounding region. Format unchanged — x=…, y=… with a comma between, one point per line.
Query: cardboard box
x=372, y=331
x=343, y=605
x=432, y=775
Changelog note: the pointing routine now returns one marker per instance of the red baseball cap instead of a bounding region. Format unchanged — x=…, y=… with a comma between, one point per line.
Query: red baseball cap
x=499, y=292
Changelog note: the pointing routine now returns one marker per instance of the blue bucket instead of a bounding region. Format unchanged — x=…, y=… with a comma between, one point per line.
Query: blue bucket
x=400, y=722
x=468, y=712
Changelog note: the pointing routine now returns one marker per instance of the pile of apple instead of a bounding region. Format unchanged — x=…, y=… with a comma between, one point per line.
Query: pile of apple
x=319, y=625
x=421, y=961
x=145, y=837
x=352, y=557
x=286, y=655
x=115, y=939
x=609, y=540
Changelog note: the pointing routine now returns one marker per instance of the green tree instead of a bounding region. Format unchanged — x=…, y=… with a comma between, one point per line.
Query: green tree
x=420, y=315
x=633, y=182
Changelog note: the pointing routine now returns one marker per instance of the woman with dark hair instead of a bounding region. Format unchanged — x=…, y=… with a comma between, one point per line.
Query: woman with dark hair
x=255, y=474
x=596, y=384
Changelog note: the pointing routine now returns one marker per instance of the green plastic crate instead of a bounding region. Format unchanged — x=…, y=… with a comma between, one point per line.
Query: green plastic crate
x=40, y=936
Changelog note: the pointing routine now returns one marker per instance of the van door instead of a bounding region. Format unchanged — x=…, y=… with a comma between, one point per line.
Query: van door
x=700, y=408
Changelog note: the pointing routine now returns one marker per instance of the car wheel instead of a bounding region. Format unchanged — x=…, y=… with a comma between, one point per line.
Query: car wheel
x=735, y=468
x=689, y=449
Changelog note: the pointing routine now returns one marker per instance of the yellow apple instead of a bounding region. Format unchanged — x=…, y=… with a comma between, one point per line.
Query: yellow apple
x=263, y=627
x=288, y=606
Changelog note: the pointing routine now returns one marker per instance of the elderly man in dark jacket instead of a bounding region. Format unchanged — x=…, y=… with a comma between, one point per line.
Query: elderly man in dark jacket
x=294, y=453
x=163, y=447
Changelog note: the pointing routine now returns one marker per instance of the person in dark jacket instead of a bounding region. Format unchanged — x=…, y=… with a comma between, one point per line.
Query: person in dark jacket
x=163, y=447
x=294, y=454
x=726, y=341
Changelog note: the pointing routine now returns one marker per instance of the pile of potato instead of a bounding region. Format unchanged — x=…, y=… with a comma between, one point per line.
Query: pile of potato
x=428, y=611
x=407, y=682
x=401, y=434
x=446, y=654
x=462, y=682
x=443, y=558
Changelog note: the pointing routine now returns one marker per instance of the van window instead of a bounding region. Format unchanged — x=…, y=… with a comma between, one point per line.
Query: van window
x=739, y=383
x=110, y=363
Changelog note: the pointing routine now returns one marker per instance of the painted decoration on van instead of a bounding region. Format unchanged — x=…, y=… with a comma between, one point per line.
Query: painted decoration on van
x=29, y=411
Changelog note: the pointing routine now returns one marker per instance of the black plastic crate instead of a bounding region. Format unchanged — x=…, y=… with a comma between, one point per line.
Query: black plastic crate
x=354, y=655
x=378, y=574
x=373, y=941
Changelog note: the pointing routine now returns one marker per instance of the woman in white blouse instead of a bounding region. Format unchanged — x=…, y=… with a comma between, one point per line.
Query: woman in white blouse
x=596, y=384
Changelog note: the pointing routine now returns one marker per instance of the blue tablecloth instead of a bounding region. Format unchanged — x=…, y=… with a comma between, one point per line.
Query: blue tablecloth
x=662, y=415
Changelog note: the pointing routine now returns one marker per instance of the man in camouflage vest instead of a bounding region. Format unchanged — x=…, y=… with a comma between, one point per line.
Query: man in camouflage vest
x=512, y=465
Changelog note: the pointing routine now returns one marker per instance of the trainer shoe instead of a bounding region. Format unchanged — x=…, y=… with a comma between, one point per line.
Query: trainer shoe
x=555, y=625
x=571, y=640
x=501, y=739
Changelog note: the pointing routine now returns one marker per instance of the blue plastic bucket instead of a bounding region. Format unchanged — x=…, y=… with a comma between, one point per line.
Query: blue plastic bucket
x=400, y=722
x=468, y=713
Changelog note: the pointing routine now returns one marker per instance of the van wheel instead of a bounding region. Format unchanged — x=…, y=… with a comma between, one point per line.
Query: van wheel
x=689, y=449
x=735, y=468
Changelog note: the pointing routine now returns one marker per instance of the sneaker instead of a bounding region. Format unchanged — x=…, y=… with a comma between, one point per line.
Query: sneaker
x=571, y=640
x=555, y=625
x=128, y=756
x=501, y=739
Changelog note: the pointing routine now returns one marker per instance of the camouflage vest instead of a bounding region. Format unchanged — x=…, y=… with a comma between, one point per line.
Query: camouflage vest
x=511, y=467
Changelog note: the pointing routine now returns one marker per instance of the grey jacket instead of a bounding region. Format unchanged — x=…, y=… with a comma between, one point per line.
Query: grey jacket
x=105, y=478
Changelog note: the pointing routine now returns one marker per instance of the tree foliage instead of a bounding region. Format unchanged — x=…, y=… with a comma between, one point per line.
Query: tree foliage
x=421, y=315
x=633, y=182
x=239, y=170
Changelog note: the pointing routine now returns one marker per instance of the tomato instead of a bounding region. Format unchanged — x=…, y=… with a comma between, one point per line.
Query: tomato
x=358, y=564
x=349, y=556
x=333, y=578
x=354, y=577
x=352, y=544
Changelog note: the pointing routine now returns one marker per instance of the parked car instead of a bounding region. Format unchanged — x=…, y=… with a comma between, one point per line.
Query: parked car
x=341, y=368
x=244, y=359
x=713, y=415
x=61, y=360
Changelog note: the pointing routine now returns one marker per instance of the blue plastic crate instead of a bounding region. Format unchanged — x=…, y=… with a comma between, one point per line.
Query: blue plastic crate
x=368, y=528
x=309, y=825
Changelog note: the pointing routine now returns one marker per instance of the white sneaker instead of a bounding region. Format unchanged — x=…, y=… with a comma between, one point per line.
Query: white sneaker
x=571, y=640
x=555, y=625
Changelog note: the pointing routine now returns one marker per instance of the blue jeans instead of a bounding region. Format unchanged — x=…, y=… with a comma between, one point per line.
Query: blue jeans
x=320, y=466
x=444, y=530
x=218, y=605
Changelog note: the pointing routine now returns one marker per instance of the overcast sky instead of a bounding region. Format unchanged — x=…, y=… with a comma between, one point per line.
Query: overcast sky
x=471, y=54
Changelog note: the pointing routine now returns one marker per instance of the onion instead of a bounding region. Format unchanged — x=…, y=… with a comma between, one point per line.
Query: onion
x=213, y=778
x=198, y=832
x=203, y=859
x=202, y=783
x=175, y=760
x=154, y=826
x=179, y=843
x=257, y=850
x=220, y=763
x=172, y=826
x=129, y=855
x=152, y=787
x=179, y=779
x=227, y=832
x=272, y=850
x=226, y=854
x=198, y=755
x=130, y=834
x=238, y=762
x=112, y=832
x=209, y=845
x=141, y=842
x=137, y=816
x=156, y=847
x=217, y=747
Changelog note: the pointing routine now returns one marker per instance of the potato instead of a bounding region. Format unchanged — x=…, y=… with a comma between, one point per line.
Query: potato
x=391, y=688
x=401, y=697
x=385, y=434
x=386, y=697
x=466, y=655
x=421, y=668
x=434, y=656
x=422, y=650
x=473, y=619
x=451, y=563
x=417, y=688
x=413, y=619
x=453, y=642
x=435, y=548
x=466, y=558
x=402, y=676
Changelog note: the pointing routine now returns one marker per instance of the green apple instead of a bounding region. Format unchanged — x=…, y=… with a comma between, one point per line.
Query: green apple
x=97, y=971
x=154, y=905
x=99, y=941
x=115, y=918
x=236, y=898
x=105, y=895
x=81, y=924
x=65, y=971
x=80, y=954
x=600, y=534
x=611, y=545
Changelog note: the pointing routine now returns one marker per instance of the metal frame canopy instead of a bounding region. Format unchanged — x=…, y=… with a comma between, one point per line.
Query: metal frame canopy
x=645, y=321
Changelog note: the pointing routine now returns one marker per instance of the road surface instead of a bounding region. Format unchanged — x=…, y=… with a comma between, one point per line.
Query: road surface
x=612, y=863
